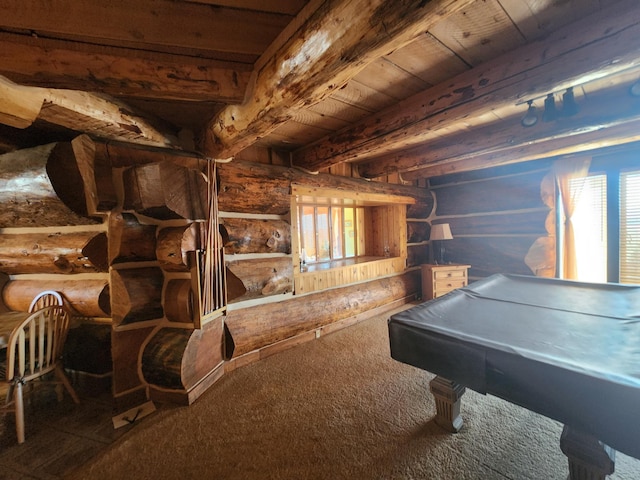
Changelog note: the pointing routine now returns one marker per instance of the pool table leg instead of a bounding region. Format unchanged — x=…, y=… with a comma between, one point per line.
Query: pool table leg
x=447, y=395
x=589, y=458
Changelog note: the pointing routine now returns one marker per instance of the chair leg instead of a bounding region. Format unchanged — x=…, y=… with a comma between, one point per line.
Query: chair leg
x=65, y=381
x=19, y=405
x=9, y=394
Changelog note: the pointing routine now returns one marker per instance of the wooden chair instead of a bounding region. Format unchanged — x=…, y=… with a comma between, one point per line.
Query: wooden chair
x=33, y=351
x=46, y=298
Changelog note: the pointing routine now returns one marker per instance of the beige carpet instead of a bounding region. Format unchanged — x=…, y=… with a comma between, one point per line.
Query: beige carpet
x=336, y=408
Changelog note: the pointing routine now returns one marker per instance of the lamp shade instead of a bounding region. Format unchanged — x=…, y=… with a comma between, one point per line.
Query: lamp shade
x=441, y=231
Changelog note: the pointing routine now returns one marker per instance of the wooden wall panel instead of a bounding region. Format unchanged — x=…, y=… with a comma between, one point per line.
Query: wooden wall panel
x=125, y=349
x=88, y=297
x=53, y=252
x=418, y=232
x=529, y=222
x=489, y=255
x=256, y=188
x=129, y=240
x=263, y=276
x=514, y=192
x=39, y=188
x=136, y=295
x=498, y=216
x=249, y=235
x=256, y=327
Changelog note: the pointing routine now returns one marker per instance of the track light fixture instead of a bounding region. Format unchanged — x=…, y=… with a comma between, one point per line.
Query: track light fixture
x=550, y=112
x=569, y=105
x=531, y=117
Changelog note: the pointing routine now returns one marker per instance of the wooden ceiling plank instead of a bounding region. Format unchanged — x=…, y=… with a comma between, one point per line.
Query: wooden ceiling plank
x=428, y=59
x=479, y=33
x=298, y=132
x=38, y=62
x=362, y=96
x=331, y=47
x=315, y=119
x=335, y=108
x=589, y=49
x=161, y=22
x=384, y=76
x=537, y=18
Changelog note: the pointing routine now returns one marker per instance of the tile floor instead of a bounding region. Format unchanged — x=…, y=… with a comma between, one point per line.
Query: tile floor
x=59, y=436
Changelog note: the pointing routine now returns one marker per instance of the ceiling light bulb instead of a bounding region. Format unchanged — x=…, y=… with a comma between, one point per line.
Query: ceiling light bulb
x=531, y=117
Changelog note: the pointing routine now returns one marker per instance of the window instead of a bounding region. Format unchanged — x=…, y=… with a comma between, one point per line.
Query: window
x=341, y=237
x=630, y=227
x=322, y=240
x=590, y=227
x=607, y=226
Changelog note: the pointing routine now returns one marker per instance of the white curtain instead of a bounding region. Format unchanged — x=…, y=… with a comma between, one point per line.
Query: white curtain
x=570, y=174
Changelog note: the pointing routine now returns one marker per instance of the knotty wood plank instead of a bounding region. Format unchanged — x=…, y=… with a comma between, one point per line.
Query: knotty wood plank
x=428, y=59
x=384, y=76
x=493, y=32
x=537, y=18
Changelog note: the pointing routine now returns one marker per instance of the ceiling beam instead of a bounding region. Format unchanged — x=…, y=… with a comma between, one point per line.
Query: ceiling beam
x=595, y=47
x=599, y=110
x=161, y=25
x=611, y=119
x=96, y=115
x=590, y=140
x=120, y=72
x=330, y=47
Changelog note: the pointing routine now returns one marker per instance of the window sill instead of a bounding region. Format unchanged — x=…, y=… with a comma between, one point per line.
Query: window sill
x=321, y=276
x=345, y=262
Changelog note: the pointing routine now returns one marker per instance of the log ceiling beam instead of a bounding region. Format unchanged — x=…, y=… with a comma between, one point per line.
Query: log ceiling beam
x=595, y=47
x=119, y=71
x=507, y=140
x=584, y=142
x=92, y=114
x=187, y=27
x=330, y=47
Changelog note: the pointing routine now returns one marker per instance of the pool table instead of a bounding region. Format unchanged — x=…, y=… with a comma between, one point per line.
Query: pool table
x=567, y=350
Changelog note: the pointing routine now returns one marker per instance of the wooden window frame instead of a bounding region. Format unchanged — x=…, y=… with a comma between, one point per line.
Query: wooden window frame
x=381, y=248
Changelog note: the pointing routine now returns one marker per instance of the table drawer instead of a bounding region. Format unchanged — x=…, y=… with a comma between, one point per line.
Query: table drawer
x=450, y=284
x=455, y=274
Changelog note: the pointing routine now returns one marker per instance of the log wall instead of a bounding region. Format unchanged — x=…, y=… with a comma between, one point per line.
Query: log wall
x=118, y=249
x=502, y=219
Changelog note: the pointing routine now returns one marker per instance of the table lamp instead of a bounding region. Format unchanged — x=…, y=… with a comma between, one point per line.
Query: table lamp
x=439, y=233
